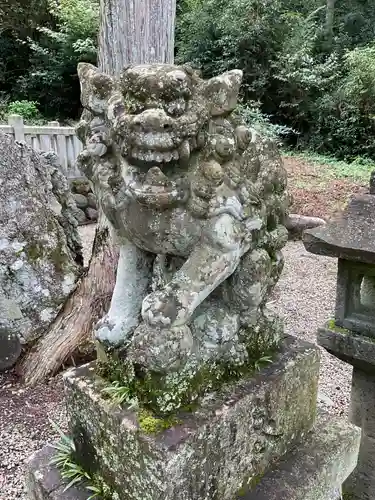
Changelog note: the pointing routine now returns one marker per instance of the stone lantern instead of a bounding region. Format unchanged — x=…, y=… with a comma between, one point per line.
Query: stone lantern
x=350, y=336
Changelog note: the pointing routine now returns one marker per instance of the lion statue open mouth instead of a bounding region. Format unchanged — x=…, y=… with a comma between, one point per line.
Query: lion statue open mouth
x=197, y=201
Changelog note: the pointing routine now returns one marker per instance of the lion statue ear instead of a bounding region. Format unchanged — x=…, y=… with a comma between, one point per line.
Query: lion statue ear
x=96, y=88
x=222, y=92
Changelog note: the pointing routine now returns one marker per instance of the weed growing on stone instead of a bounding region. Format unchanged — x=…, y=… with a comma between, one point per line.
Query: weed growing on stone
x=261, y=362
x=159, y=398
x=117, y=393
x=70, y=470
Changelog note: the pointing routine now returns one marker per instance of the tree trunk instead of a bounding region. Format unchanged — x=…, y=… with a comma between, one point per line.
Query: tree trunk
x=136, y=32
x=131, y=32
x=330, y=18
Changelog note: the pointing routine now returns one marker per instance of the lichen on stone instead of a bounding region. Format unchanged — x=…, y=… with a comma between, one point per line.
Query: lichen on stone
x=163, y=396
x=40, y=250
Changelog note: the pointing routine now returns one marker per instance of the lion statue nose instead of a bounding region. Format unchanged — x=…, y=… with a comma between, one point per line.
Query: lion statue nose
x=152, y=120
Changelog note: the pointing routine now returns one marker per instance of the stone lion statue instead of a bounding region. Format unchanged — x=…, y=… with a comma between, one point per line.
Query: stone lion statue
x=197, y=202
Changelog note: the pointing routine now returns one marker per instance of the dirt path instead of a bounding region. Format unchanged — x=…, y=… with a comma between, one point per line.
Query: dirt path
x=316, y=191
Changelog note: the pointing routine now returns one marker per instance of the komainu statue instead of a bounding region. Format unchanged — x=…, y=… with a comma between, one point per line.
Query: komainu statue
x=197, y=202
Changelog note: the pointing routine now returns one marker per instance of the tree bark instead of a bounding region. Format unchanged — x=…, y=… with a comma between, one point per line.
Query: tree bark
x=131, y=32
x=136, y=32
x=330, y=18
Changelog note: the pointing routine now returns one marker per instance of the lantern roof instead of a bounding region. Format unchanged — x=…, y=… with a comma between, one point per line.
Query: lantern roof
x=350, y=236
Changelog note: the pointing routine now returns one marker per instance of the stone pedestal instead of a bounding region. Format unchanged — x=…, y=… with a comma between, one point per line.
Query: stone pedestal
x=359, y=351
x=211, y=453
x=313, y=470
x=226, y=449
x=316, y=468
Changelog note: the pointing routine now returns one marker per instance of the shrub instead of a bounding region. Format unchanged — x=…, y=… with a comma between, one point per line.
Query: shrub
x=27, y=109
x=343, y=122
x=254, y=118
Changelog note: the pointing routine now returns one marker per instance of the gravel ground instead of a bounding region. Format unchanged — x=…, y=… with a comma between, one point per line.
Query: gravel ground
x=304, y=296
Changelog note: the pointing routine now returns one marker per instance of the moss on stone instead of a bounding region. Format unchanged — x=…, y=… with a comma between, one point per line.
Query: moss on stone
x=34, y=251
x=165, y=395
x=331, y=324
x=249, y=484
x=59, y=258
x=153, y=425
x=347, y=496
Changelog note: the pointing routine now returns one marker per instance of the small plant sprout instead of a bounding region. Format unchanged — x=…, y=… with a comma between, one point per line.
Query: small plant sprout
x=70, y=470
x=117, y=393
x=261, y=362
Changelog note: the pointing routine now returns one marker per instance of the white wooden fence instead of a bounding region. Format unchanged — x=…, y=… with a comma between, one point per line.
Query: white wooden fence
x=62, y=140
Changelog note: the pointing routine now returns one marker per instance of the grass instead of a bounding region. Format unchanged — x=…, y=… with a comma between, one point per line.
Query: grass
x=72, y=472
x=358, y=170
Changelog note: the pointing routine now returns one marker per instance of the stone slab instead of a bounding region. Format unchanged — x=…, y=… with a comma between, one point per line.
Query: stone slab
x=296, y=224
x=361, y=484
x=315, y=469
x=44, y=481
x=357, y=350
x=233, y=436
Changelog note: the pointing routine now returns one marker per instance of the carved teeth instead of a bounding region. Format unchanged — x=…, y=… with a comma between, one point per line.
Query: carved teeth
x=154, y=156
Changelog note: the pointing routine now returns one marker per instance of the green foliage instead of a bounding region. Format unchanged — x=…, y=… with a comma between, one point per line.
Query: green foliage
x=27, y=109
x=218, y=35
x=65, y=460
x=55, y=56
x=323, y=93
x=299, y=86
x=252, y=115
x=47, y=72
x=24, y=15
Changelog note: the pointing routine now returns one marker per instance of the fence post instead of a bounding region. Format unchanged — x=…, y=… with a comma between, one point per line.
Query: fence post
x=16, y=121
x=54, y=139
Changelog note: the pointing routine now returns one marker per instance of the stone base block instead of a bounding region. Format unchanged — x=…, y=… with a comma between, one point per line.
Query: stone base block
x=361, y=484
x=44, y=481
x=211, y=453
x=316, y=469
